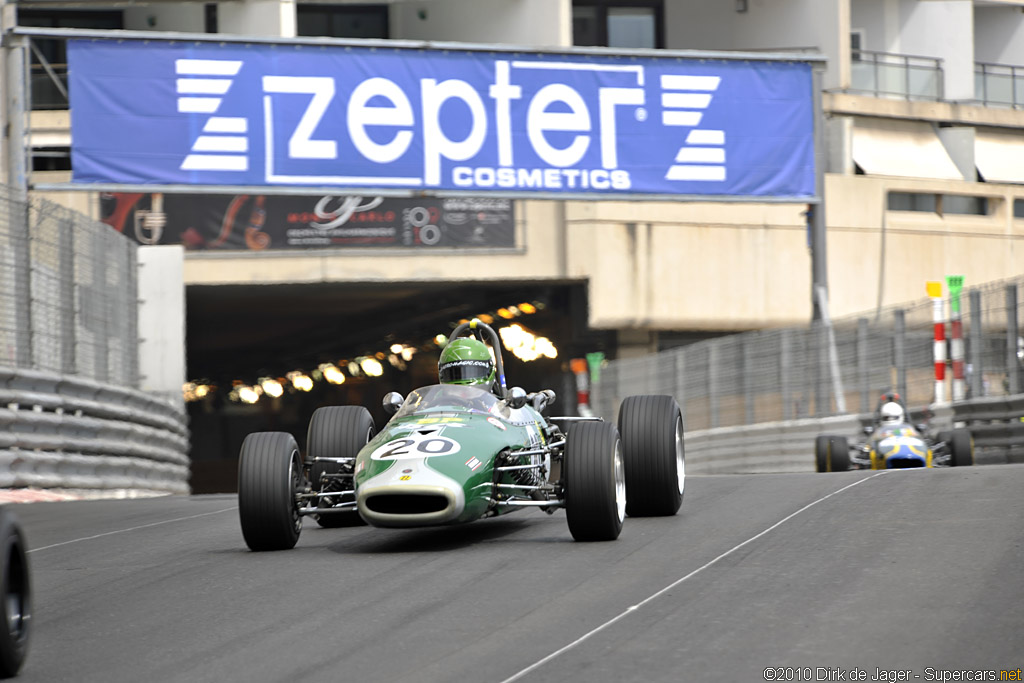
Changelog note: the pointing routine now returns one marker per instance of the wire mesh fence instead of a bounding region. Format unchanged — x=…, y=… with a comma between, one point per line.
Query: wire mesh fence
x=815, y=371
x=68, y=293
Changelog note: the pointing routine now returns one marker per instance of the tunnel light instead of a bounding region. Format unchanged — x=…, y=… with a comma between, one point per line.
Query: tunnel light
x=247, y=394
x=525, y=345
x=271, y=387
x=506, y=313
x=371, y=366
x=440, y=340
x=332, y=373
x=527, y=308
x=396, y=348
x=300, y=380
x=196, y=391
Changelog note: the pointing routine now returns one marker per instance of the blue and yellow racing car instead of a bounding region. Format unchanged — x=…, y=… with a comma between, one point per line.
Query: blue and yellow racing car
x=893, y=443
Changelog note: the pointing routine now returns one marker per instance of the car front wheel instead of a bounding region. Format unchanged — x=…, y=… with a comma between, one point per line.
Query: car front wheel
x=595, y=482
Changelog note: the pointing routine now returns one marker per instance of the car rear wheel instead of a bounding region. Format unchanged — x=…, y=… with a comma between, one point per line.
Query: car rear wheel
x=269, y=479
x=336, y=432
x=15, y=595
x=961, y=448
x=651, y=429
x=595, y=482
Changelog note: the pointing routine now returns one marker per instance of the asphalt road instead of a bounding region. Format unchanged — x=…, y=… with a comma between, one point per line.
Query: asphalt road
x=903, y=571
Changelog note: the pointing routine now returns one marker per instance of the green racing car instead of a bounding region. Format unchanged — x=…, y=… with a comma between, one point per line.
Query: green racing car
x=456, y=452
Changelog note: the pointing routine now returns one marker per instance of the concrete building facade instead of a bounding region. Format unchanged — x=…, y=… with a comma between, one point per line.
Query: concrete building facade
x=924, y=111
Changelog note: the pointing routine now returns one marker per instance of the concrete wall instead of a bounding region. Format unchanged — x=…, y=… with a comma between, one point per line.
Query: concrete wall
x=691, y=266
x=944, y=30
x=162, y=321
x=257, y=17
x=919, y=246
x=540, y=23
x=999, y=35
x=698, y=266
x=766, y=25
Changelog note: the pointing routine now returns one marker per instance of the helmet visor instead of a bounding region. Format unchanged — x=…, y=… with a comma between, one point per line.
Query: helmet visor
x=465, y=371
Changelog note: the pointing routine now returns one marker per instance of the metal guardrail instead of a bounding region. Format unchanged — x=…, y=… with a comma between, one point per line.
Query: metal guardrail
x=996, y=425
x=60, y=431
x=788, y=445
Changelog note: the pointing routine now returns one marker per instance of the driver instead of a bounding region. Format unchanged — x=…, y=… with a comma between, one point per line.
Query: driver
x=890, y=414
x=467, y=361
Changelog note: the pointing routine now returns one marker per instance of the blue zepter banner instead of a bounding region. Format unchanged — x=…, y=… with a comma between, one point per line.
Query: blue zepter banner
x=422, y=120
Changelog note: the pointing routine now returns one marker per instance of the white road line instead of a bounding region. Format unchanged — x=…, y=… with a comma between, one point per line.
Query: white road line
x=536, y=665
x=134, y=528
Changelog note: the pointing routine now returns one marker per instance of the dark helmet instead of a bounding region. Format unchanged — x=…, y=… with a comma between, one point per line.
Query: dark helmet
x=466, y=361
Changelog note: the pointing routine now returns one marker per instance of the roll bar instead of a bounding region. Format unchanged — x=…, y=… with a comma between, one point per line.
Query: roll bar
x=478, y=327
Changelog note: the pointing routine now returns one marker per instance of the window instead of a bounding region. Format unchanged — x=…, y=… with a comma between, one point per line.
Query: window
x=856, y=44
x=912, y=201
x=342, y=21
x=957, y=204
x=618, y=23
x=1018, y=208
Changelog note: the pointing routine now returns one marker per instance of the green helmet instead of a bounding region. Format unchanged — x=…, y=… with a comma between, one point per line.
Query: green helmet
x=465, y=361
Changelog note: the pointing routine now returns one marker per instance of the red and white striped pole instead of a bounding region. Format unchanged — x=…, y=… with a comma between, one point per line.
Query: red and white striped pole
x=955, y=284
x=935, y=293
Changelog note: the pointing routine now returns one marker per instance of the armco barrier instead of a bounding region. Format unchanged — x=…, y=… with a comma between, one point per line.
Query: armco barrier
x=69, y=432
x=786, y=446
x=996, y=426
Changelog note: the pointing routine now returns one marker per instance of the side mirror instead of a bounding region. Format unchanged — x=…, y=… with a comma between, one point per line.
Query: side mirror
x=516, y=397
x=392, y=402
x=868, y=431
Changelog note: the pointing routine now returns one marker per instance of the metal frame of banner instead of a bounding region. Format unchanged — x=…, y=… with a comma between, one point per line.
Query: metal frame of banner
x=16, y=41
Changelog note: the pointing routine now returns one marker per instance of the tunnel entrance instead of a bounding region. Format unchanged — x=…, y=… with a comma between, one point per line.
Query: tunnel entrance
x=240, y=335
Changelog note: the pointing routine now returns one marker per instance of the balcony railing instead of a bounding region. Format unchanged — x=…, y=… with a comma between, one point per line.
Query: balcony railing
x=885, y=74
x=999, y=85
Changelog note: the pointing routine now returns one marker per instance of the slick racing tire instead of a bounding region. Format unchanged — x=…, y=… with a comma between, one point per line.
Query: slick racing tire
x=961, y=448
x=832, y=453
x=595, y=483
x=16, y=596
x=651, y=430
x=336, y=432
x=269, y=477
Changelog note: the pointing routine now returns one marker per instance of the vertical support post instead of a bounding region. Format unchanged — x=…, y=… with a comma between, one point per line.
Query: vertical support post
x=939, y=343
x=899, y=344
x=747, y=379
x=68, y=322
x=1012, y=362
x=822, y=399
x=816, y=212
x=863, y=379
x=101, y=321
x=977, y=337
x=15, y=98
x=713, y=384
x=785, y=371
x=132, y=322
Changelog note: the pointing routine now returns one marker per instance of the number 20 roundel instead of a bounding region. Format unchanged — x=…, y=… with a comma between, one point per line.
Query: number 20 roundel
x=416, y=445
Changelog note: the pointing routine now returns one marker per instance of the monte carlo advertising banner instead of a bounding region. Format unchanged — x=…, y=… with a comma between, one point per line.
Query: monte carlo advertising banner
x=421, y=121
